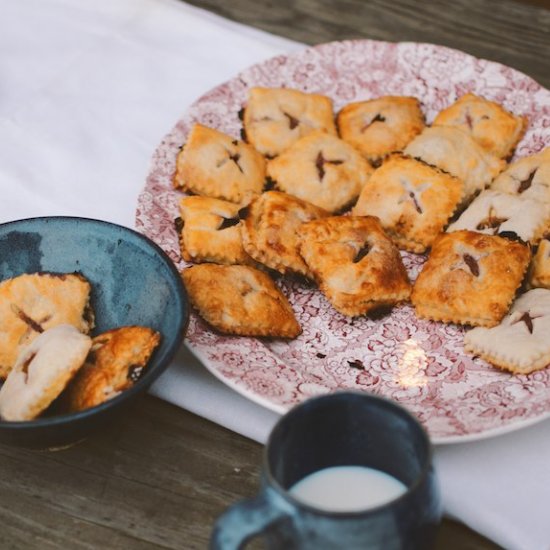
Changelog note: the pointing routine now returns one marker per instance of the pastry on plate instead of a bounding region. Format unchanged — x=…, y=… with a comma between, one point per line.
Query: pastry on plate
x=539, y=272
x=216, y=165
x=210, y=231
x=497, y=130
x=380, y=126
x=237, y=299
x=528, y=177
x=32, y=303
x=453, y=150
x=498, y=213
x=321, y=169
x=520, y=343
x=357, y=266
x=269, y=230
x=42, y=371
x=470, y=278
x=412, y=199
x=115, y=363
x=275, y=118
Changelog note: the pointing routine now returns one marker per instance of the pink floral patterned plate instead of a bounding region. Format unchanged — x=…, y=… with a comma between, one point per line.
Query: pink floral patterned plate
x=420, y=364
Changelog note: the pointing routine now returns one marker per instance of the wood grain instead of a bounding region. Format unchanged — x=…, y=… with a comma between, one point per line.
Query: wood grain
x=516, y=34
x=156, y=478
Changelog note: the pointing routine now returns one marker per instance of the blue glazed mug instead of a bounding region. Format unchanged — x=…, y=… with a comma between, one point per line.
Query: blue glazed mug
x=340, y=429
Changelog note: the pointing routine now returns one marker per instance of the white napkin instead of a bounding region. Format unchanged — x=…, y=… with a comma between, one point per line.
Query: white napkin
x=88, y=89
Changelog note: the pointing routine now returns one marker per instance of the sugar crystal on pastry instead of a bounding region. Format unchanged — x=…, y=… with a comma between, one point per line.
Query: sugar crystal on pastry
x=240, y=300
x=355, y=263
x=32, y=303
x=413, y=201
x=115, y=363
x=321, y=169
x=521, y=342
x=275, y=118
x=216, y=165
x=269, y=230
x=380, y=126
x=42, y=371
x=494, y=212
x=210, y=231
x=493, y=127
x=528, y=177
x=453, y=150
x=470, y=278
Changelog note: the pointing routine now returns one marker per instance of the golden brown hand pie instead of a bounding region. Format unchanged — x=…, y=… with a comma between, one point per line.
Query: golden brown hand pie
x=211, y=231
x=528, y=177
x=497, y=213
x=33, y=303
x=115, y=363
x=269, y=230
x=321, y=169
x=493, y=127
x=470, y=278
x=454, y=151
x=520, y=343
x=42, y=371
x=380, y=126
x=216, y=165
x=238, y=299
x=539, y=272
x=357, y=266
x=412, y=199
x=275, y=118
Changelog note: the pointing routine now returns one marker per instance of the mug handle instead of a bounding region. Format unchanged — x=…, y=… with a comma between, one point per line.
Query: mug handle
x=248, y=518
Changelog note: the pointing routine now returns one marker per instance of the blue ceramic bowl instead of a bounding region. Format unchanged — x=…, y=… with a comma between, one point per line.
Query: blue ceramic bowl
x=133, y=283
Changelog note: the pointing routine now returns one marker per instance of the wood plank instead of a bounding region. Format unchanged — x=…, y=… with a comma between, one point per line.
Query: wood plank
x=156, y=478
x=507, y=31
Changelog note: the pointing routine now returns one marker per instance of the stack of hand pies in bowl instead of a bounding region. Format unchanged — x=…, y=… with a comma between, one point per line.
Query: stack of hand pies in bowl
x=91, y=313
x=335, y=198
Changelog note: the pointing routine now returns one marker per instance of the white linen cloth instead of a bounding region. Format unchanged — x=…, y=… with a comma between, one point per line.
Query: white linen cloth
x=88, y=88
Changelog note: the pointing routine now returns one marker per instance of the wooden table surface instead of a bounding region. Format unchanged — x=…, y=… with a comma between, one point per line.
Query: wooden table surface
x=159, y=476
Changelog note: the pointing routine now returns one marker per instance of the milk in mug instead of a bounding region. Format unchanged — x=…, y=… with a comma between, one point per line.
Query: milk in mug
x=347, y=488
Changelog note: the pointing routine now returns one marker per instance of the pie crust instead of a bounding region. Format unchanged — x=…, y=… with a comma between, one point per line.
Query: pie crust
x=357, y=266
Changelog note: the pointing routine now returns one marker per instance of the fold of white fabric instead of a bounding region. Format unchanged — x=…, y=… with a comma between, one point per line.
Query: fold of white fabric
x=87, y=91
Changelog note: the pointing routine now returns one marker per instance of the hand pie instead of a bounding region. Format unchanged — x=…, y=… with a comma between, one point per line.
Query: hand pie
x=454, y=151
x=380, y=126
x=470, y=278
x=42, y=371
x=520, y=344
x=211, y=231
x=238, y=299
x=321, y=169
x=115, y=363
x=275, y=118
x=269, y=230
x=496, y=213
x=412, y=199
x=539, y=272
x=493, y=127
x=357, y=266
x=528, y=177
x=216, y=165
x=32, y=303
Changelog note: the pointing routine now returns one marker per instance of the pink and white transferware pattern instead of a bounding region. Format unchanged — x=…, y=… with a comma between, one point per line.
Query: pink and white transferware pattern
x=420, y=364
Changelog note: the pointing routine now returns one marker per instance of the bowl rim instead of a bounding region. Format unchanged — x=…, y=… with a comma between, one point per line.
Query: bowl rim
x=148, y=377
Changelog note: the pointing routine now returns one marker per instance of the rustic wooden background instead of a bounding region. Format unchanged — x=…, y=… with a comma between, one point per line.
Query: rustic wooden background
x=156, y=479
x=513, y=32
x=158, y=476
